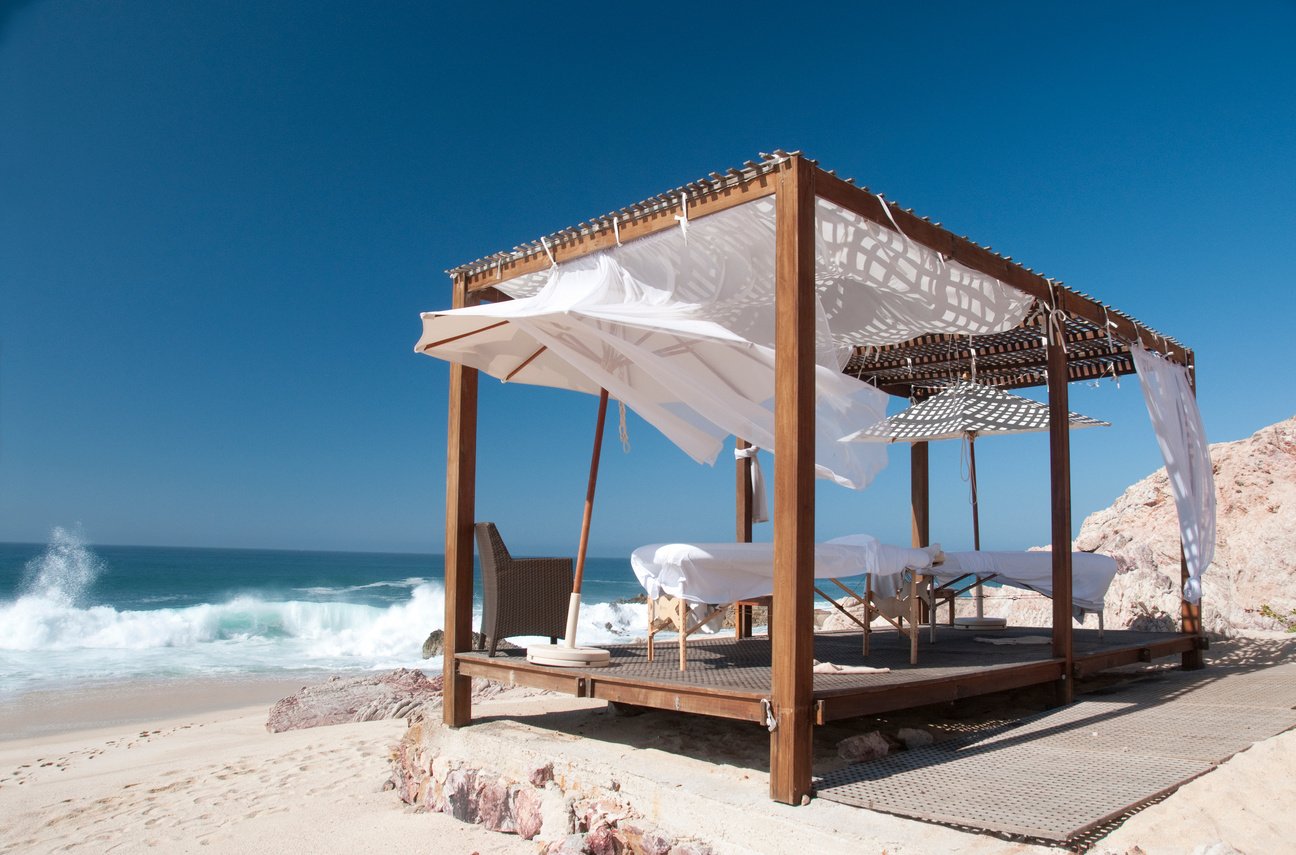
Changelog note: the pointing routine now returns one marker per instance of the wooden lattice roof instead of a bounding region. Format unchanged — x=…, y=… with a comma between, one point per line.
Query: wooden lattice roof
x=1010, y=360
x=1098, y=336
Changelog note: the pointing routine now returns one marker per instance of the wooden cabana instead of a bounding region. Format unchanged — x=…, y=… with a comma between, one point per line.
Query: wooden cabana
x=1069, y=336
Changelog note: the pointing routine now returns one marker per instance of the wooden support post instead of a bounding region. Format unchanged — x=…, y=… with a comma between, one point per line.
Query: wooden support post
x=1189, y=613
x=1189, y=619
x=1060, y=487
x=743, y=502
x=919, y=504
x=461, y=489
x=792, y=624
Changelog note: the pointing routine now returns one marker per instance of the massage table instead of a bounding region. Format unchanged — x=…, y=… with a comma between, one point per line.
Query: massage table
x=691, y=584
x=1091, y=576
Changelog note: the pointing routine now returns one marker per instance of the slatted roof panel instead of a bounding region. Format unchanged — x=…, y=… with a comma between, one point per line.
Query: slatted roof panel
x=1014, y=359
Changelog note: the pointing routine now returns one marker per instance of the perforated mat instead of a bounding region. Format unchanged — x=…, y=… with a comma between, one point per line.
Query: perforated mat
x=1057, y=774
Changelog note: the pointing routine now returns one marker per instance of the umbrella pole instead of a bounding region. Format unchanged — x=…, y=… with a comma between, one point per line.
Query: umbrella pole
x=976, y=519
x=573, y=606
x=567, y=654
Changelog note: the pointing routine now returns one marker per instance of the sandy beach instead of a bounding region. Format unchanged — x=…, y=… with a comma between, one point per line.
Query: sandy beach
x=214, y=780
x=210, y=781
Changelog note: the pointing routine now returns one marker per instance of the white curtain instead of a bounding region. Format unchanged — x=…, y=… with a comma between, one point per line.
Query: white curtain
x=1172, y=407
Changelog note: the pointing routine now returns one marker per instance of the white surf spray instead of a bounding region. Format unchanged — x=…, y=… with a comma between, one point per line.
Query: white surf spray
x=63, y=572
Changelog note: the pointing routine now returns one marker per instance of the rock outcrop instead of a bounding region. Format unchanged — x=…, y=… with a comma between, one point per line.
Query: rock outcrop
x=402, y=693
x=863, y=746
x=435, y=643
x=1255, y=549
x=396, y=694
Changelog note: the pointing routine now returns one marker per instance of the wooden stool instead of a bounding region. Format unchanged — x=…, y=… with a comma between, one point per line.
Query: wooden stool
x=743, y=615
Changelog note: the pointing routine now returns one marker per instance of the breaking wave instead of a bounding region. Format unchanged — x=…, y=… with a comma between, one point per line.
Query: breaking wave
x=49, y=635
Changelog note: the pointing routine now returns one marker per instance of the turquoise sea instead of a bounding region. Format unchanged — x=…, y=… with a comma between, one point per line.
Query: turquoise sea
x=76, y=614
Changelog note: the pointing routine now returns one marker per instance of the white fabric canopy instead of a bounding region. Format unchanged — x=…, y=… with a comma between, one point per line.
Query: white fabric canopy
x=875, y=285
x=680, y=327
x=1172, y=406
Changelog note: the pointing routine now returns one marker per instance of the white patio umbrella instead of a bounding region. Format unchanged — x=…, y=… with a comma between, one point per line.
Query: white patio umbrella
x=693, y=377
x=695, y=380
x=966, y=411
x=569, y=654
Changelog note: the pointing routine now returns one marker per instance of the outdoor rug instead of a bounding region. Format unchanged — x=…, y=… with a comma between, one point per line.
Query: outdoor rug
x=1058, y=774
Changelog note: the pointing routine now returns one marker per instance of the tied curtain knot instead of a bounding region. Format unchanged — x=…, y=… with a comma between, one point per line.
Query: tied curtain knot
x=760, y=501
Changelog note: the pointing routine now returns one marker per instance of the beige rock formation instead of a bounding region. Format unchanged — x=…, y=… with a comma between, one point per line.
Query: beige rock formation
x=1255, y=552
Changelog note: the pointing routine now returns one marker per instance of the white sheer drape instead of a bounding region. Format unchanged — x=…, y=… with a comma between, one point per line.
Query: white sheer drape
x=1172, y=407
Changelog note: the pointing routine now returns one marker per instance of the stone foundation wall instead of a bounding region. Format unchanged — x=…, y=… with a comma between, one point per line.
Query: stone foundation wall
x=566, y=813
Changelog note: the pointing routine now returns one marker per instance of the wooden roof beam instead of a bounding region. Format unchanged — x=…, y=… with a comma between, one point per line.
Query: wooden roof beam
x=633, y=222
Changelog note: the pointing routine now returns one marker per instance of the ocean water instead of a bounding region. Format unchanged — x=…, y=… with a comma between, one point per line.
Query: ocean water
x=76, y=614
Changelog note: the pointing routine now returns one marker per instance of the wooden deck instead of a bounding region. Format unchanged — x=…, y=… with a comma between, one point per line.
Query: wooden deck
x=731, y=678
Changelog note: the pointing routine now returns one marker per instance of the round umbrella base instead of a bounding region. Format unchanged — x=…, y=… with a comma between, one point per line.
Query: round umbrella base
x=980, y=624
x=563, y=656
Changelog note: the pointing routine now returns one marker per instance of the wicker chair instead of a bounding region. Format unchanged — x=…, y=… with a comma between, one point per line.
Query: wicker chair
x=523, y=596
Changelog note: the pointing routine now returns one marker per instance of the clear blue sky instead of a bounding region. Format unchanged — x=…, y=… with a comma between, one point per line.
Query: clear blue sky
x=219, y=222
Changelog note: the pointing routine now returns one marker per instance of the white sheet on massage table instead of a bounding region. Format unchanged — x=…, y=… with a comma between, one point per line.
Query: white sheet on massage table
x=725, y=572
x=1091, y=573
